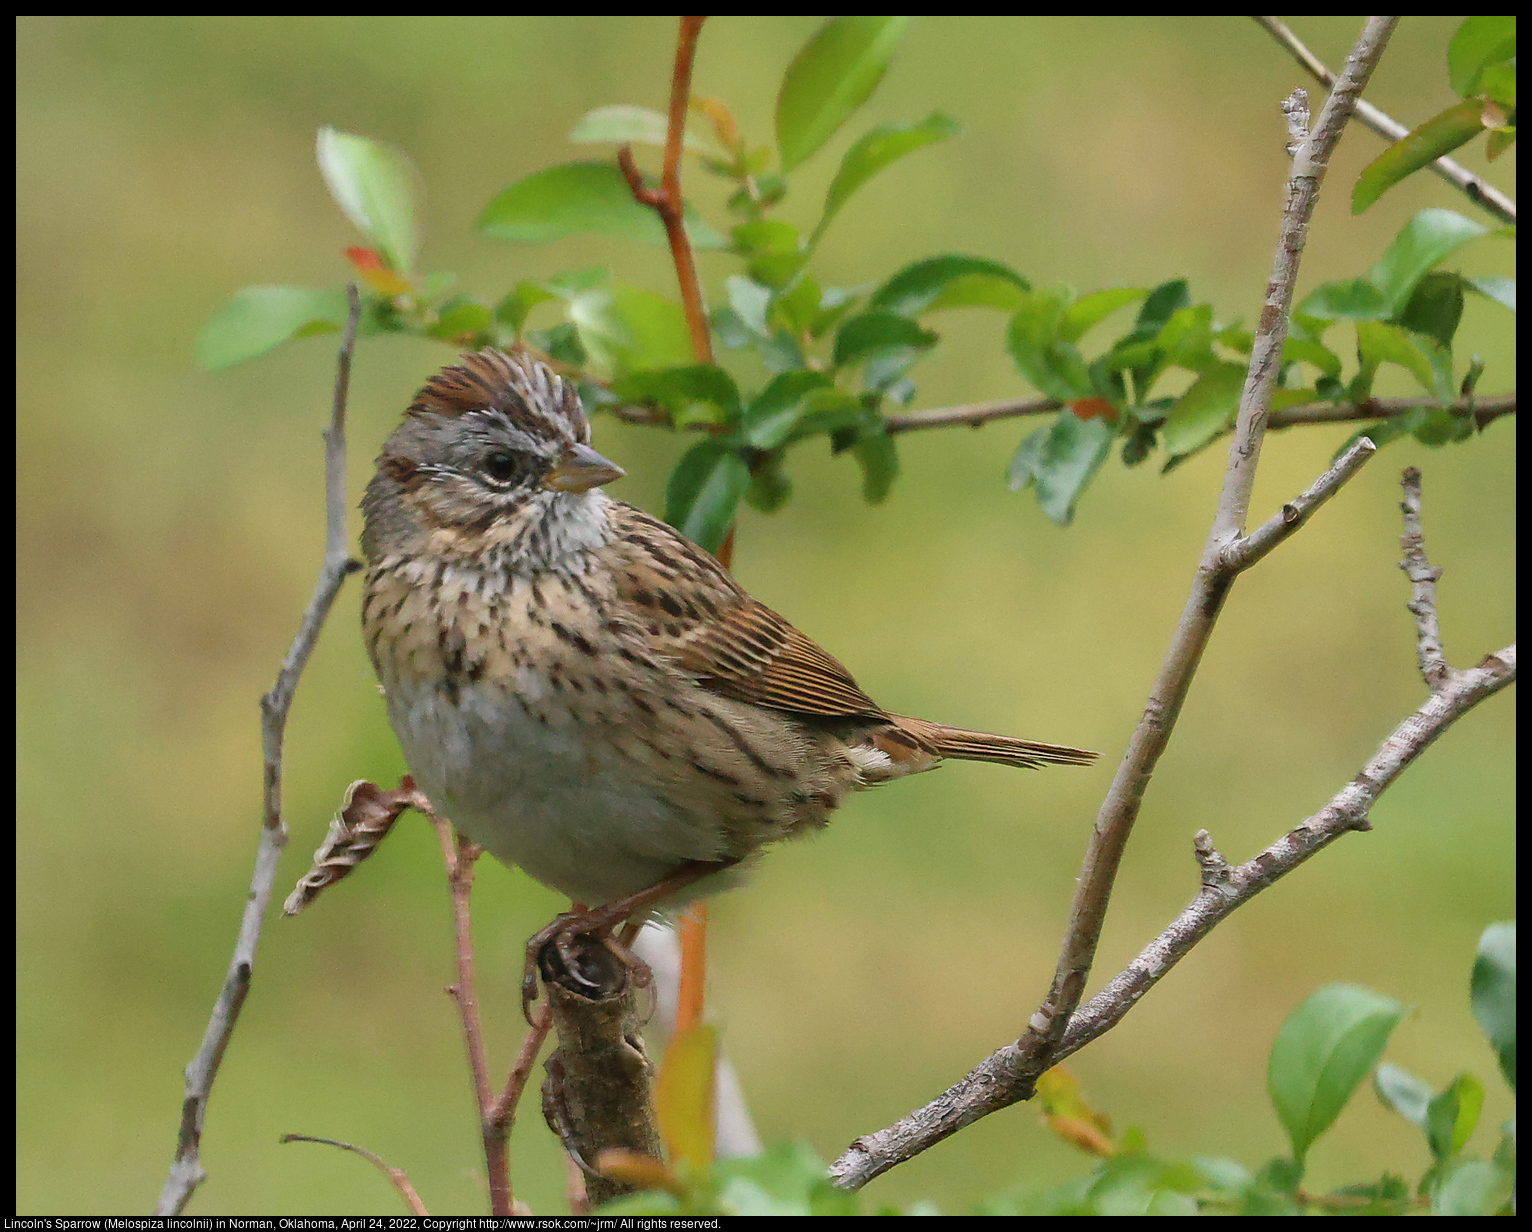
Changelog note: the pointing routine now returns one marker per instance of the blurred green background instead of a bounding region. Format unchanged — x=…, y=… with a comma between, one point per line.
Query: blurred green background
x=169, y=528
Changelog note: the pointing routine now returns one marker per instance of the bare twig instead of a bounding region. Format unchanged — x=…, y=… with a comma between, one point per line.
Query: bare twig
x=186, y=1171
x=1473, y=186
x=666, y=201
x=1423, y=579
x=1009, y=1074
x=994, y=1083
x=1243, y=553
x=395, y=1175
x=977, y=414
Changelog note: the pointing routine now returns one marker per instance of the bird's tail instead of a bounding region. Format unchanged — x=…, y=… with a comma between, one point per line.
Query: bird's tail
x=965, y=745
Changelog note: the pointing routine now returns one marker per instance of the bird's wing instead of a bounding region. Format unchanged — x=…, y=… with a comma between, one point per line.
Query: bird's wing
x=696, y=616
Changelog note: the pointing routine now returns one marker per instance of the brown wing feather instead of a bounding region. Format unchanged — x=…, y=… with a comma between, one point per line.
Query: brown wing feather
x=699, y=618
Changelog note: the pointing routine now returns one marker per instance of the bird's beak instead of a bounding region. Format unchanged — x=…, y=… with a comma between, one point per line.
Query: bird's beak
x=581, y=469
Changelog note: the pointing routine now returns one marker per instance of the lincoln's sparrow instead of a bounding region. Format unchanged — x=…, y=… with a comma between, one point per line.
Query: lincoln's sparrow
x=583, y=691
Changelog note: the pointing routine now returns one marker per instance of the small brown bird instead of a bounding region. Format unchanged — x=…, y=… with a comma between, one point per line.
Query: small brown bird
x=585, y=693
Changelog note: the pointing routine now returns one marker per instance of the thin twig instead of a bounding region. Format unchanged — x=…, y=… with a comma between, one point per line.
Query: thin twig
x=1474, y=187
x=994, y=1083
x=396, y=1175
x=1247, y=551
x=666, y=201
x=186, y=1171
x=977, y=414
x=1423, y=579
x=459, y=854
x=1216, y=570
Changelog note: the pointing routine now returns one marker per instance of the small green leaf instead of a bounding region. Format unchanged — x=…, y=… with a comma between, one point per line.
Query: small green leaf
x=625, y=328
x=879, y=457
x=1296, y=350
x=1090, y=309
x=704, y=490
x=624, y=124
x=1403, y=1092
x=1452, y=1116
x=681, y=390
x=463, y=322
x=573, y=198
x=1421, y=147
x=1380, y=343
x=512, y=310
x=774, y=412
x=950, y=281
x=1474, y=1187
x=1355, y=299
x=872, y=153
x=770, y=487
x=1204, y=410
x=830, y=77
x=1425, y=241
x=1496, y=287
x=256, y=319
x=1436, y=307
x=1186, y=339
x=1326, y=1046
x=1478, y=43
x=869, y=334
x=1059, y=462
x=1052, y=365
x=375, y=185
x=1492, y=994
x=1166, y=299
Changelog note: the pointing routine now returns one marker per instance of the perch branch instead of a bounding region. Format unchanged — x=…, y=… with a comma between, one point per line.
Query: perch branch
x=1009, y=1075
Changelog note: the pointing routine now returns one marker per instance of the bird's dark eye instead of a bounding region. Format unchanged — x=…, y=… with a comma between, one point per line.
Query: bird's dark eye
x=501, y=465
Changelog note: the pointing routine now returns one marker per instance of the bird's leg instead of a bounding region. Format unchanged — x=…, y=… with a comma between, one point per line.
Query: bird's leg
x=598, y=922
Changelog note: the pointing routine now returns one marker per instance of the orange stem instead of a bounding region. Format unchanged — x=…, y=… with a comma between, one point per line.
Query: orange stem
x=689, y=991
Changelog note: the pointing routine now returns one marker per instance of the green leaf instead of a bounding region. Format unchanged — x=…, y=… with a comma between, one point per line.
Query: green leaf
x=873, y=152
x=1496, y=287
x=1492, y=994
x=625, y=328
x=770, y=486
x=774, y=412
x=750, y=300
x=624, y=124
x=1403, y=1092
x=1204, y=410
x=1086, y=311
x=1421, y=147
x=879, y=457
x=463, y=322
x=375, y=186
x=704, y=490
x=1478, y=43
x=681, y=390
x=869, y=334
x=1162, y=302
x=1326, y=1046
x=1473, y=1187
x=1452, y=1116
x=950, y=281
x=1052, y=366
x=1059, y=462
x=574, y=198
x=256, y=319
x=1355, y=299
x=1186, y=339
x=1301, y=350
x=1380, y=343
x=1427, y=239
x=1436, y=307
x=830, y=78
x=513, y=309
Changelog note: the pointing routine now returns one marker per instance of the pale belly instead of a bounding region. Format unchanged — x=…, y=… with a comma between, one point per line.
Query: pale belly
x=589, y=810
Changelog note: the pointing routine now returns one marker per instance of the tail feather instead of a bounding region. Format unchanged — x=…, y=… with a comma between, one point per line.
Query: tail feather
x=965, y=745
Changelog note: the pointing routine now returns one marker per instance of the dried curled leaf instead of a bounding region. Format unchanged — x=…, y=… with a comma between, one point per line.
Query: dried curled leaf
x=366, y=814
